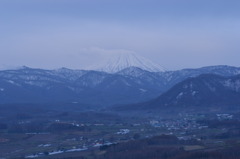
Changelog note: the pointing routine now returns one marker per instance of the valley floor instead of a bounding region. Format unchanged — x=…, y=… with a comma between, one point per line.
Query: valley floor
x=93, y=135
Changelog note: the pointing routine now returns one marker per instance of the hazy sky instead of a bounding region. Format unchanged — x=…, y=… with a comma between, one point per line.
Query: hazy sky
x=80, y=33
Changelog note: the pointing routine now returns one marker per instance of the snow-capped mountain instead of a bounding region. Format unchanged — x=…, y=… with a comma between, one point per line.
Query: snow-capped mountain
x=207, y=92
x=130, y=85
x=125, y=60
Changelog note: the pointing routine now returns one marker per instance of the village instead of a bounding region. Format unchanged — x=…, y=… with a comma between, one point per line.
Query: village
x=75, y=137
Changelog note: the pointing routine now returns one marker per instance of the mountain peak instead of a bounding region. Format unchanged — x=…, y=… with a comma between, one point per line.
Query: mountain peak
x=22, y=68
x=132, y=71
x=125, y=60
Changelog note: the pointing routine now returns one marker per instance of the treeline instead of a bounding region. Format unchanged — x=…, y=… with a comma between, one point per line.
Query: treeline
x=232, y=127
x=58, y=127
x=229, y=123
x=38, y=127
x=164, y=147
x=228, y=153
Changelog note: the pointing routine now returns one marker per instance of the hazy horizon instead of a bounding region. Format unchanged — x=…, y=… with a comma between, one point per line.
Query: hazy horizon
x=77, y=34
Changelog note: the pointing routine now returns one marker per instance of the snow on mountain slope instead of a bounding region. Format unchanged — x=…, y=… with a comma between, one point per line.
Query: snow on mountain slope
x=124, y=60
x=129, y=85
x=69, y=73
x=132, y=71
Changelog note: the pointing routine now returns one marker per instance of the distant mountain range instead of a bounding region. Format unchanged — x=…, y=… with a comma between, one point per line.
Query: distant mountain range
x=207, y=91
x=129, y=85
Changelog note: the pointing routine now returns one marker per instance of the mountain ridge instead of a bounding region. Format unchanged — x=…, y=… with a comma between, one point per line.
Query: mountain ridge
x=130, y=85
x=204, y=92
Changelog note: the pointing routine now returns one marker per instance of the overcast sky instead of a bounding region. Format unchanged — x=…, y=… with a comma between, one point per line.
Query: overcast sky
x=80, y=33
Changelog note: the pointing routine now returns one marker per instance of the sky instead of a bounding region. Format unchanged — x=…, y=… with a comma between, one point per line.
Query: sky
x=78, y=34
